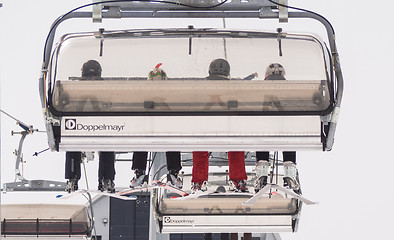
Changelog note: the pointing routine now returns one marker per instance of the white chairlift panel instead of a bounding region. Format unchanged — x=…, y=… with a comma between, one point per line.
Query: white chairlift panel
x=188, y=133
x=225, y=224
x=122, y=110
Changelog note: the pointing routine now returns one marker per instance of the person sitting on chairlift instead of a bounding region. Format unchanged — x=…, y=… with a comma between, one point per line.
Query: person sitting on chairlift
x=140, y=158
x=275, y=71
x=219, y=69
x=91, y=70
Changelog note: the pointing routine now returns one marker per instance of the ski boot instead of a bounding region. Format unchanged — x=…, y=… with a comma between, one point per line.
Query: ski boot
x=238, y=186
x=140, y=179
x=174, y=179
x=72, y=185
x=199, y=187
x=109, y=185
x=262, y=168
x=100, y=186
x=290, y=179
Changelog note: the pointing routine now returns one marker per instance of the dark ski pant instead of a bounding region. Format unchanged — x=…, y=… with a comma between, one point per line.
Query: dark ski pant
x=228, y=236
x=73, y=165
x=106, y=165
x=287, y=156
x=173, y=161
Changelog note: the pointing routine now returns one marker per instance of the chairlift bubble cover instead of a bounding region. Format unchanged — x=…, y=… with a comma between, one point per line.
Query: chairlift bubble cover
x=127, y=58
x=122, y=110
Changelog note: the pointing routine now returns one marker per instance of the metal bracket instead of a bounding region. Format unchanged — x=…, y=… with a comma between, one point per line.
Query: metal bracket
x=283, y=11
x=335, y=115
x=34, y=185
x=97, y=15
x=89, y=156
x=325, y=119
x=265, y=11
x=50, y=119
x=114, y=12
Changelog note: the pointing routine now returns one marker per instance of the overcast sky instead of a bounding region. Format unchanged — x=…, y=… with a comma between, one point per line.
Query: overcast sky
x=353, y=182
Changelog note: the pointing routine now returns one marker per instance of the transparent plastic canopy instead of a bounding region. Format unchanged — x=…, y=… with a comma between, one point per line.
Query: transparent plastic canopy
x=127, y=57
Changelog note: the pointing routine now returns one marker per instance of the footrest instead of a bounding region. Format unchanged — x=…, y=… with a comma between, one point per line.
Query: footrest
x=34, y=185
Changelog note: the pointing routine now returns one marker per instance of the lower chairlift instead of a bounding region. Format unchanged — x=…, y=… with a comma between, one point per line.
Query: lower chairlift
x=273, y=209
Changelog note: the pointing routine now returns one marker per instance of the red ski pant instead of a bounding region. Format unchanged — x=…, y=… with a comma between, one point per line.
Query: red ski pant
x=236, y=162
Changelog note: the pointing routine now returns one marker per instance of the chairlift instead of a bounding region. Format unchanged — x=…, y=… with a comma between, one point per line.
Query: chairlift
x=123, y=111
x=217, y=210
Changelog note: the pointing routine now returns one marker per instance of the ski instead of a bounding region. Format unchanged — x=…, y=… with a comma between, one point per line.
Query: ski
x=267, y=187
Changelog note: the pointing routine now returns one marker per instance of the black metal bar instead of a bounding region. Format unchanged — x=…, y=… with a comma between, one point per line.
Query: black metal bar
x=37, y=226
x=3, y=227
x=70, y=227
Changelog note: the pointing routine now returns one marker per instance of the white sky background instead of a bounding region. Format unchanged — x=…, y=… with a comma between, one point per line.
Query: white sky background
x=353, y=182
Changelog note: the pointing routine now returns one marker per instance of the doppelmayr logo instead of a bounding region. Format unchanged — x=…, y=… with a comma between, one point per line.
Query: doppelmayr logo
x=169, y=220
x=71, y=124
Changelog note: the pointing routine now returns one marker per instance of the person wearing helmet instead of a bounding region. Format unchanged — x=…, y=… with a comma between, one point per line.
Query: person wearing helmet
x=173, y=158
x=275, y=71
x=219, y=69
x=91, y=70
x=157, y=73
